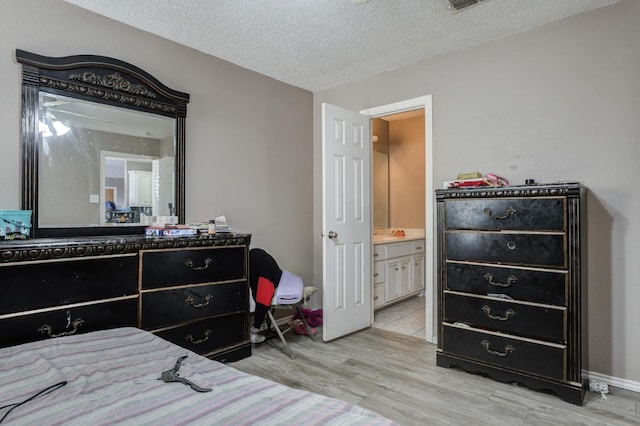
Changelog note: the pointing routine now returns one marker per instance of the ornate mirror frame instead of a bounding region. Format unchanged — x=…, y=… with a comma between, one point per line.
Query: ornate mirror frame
x=102, y=80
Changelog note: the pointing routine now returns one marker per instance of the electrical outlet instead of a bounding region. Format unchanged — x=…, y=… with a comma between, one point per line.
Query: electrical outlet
x=94, y=198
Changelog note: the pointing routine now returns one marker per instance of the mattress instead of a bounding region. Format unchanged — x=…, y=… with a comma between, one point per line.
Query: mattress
x=112, y=377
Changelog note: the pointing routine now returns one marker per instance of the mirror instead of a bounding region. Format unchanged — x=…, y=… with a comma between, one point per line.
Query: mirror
x=103, y=146
x=380, y=189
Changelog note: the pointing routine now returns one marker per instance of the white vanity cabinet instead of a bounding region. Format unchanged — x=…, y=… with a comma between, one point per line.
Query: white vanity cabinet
x=417, y=260
x=398, y=271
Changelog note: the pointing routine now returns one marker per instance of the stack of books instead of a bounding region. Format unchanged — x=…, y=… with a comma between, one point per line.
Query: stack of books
x=475, y=179
x=170, y=230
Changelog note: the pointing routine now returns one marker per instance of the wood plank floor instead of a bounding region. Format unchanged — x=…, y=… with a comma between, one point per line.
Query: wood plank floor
x=396, y=376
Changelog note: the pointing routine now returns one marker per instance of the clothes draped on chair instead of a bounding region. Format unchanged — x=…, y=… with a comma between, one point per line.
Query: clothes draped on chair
x=272, y=288
x=264, y=277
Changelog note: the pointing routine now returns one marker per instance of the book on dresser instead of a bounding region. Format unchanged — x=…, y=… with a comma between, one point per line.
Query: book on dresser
x=512, y=285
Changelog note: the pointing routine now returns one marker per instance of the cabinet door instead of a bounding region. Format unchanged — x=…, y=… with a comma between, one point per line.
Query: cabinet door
x=417, y=277
x=404, y=280
x=392, y=273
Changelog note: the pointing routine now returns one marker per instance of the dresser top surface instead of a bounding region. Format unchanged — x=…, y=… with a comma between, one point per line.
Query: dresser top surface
x=539, y=190
x=70, y=247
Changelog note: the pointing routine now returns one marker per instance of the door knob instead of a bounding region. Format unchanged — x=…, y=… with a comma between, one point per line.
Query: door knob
x=333, y=234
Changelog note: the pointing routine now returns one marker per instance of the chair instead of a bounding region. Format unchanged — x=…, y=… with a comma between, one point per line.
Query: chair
x=285, y=299
x=272, y=324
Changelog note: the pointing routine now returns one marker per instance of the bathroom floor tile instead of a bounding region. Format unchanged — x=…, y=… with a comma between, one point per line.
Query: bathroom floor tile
x=407, y=317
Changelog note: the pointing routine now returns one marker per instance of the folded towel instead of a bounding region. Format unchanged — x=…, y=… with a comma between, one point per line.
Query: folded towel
x=289, y=290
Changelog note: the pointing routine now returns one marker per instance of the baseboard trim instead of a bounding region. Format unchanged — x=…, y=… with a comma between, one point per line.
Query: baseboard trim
x=617, y=382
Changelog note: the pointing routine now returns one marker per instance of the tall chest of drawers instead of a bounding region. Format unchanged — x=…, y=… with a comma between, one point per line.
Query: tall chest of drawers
x=512, y=285
x=192, y=291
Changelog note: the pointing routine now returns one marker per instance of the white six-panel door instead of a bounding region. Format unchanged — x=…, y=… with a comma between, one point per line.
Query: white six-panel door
x=346, y=202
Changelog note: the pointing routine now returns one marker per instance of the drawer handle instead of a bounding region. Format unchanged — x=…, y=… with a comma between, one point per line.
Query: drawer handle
x=508, y=212
x=507, y=349
x=48, y=330
x=191, y=301
x=207, y=262
x=419, y=248
x=376, y=298
x=189, y=338
x=508, y=314
x=511, y=279
x=376, y=274
x=511, y=245
x=376, y=255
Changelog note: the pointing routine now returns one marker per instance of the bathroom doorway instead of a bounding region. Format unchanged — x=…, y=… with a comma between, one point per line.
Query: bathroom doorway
x=403, y=218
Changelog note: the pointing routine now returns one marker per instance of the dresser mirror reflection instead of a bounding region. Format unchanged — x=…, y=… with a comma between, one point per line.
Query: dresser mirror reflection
x=103, y=146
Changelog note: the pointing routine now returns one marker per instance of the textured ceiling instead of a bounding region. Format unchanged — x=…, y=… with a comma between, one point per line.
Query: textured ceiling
x=318, y=44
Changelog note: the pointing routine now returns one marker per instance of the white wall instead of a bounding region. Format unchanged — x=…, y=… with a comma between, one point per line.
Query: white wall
x=556, y=103
x=249, y=137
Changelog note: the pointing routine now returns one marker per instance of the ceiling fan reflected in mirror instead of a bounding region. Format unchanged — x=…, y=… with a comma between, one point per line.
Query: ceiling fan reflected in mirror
x=50, y=126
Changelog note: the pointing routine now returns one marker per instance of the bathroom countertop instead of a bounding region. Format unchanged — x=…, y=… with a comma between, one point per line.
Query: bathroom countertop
x=383, y=239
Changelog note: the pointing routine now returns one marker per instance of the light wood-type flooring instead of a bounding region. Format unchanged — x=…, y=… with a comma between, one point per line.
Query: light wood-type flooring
x=396, y=376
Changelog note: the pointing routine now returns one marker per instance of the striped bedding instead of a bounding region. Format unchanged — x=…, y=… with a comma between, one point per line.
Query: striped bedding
x=112, y=378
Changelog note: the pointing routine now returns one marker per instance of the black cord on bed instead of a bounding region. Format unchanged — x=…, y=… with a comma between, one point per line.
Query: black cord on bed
x=31, y=398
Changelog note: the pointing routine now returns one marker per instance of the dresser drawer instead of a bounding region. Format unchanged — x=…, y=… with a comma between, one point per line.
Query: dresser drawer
x=524, y=355
x=168, y=268
x=209, y=335
x=30, y=327
x=417, y=247
x=166, y=307
x=534, y=321
x=510, y=248
x=541, y=214
x=548, y=287
x=34, y=285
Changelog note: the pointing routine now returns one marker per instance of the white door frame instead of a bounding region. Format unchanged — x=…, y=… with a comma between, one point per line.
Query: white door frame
x=430, y=220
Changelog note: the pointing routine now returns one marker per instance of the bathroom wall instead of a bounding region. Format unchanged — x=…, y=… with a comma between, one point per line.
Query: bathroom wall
x=407, y=173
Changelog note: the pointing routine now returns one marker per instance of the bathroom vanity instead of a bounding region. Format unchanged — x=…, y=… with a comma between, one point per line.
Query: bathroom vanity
x=398, y=268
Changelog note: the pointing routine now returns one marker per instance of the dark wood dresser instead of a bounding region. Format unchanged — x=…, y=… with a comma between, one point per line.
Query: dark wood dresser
x=192, y=291
x=512, y=284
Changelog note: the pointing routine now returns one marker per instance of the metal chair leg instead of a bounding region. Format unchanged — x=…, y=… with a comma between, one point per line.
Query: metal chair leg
x=277, y=329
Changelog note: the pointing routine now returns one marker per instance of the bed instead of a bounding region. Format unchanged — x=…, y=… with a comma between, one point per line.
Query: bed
x=112, y=377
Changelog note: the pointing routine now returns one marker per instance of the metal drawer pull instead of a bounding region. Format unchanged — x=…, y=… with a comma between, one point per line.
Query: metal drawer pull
x=511, y=245
x=511, y=279
x=507, y=349
x=508, y=314
x=191, y=301
x=48, y=330
x=189, y=338
x=509, y=212
x=207, y=262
